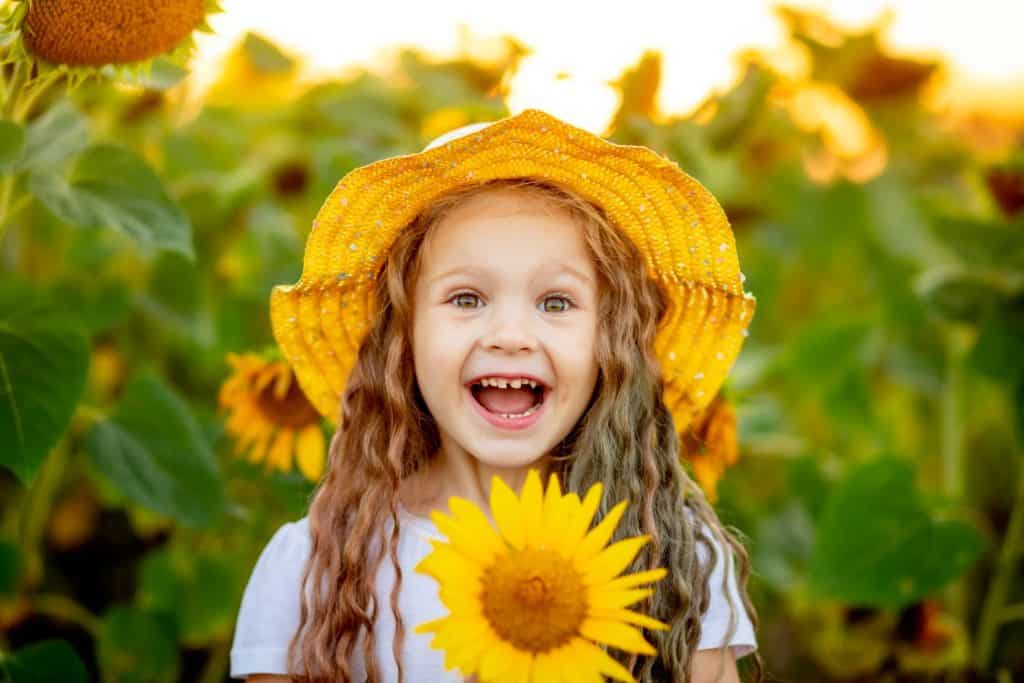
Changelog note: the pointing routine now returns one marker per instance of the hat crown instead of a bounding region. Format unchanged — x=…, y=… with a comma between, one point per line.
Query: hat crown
x=456, y=133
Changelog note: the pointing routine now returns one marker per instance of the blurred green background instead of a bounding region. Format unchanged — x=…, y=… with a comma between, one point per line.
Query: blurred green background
x=879, y=398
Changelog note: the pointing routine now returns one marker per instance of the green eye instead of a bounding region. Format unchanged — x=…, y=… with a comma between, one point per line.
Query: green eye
x=465, y=300
x=561, y=304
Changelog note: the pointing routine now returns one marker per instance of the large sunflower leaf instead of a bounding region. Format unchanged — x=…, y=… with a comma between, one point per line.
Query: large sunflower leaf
x=43, y=368
x=50, y=140
x=136, y=646
x=877, y=544
x=154, y=451
x=113, y=187
x=200, y=592
x=50, y=661
x=10, y=568
x=12, y=143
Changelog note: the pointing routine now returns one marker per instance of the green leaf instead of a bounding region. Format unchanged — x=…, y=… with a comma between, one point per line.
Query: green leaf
x=10, y=568
x=963, y=295
x=153, y=450
x=808, y=484
x=997, y=353
x=266, y=56
x=49, y=661
x=12, y=143
x=878, y=545
x=57, y=135
x=987, y=244
x=201, y=592
x=43, y=369
x=1018, y=409
x=136, y=647
x=113, y=187
x=161, y=74
x=784, y=544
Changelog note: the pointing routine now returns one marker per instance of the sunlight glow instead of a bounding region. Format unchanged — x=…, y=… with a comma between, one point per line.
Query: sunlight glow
x=579, y=49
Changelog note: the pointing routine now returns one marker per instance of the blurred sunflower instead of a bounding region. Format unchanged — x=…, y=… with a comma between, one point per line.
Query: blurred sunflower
x=270, y=416
x=255, y=75
x=88, y=37
x=712, y=445
x=531, y=600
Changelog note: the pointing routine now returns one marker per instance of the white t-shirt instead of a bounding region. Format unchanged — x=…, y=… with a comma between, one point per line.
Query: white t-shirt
x=269, y=614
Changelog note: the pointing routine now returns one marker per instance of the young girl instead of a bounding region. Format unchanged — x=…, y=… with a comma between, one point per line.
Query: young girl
x=521, y=294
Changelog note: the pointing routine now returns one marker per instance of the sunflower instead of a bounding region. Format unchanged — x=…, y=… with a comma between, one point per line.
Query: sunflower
x=255, y=75
x=532, y=600
x=271, y=417
x=82, y=38
x=712, y=446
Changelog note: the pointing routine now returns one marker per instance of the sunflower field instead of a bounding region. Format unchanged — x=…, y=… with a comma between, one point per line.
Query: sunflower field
x=867, y=444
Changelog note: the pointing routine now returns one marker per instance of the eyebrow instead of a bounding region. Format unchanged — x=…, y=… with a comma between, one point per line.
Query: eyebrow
x=480, y=272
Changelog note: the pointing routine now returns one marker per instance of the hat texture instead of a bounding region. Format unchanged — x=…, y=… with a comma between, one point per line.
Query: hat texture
x=679, y=227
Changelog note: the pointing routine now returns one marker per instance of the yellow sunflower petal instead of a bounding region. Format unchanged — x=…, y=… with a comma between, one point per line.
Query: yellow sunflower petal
x=469, y=537
x=477, y=524
x=576, y=663
x=611, y=561
x=280, y=456
x=506, y=509
x=603, y=662
x=605, y=599
x=446, y=563
x=577, y=528
x=598, y=537
x=284, y=381
x=552, y=516
x=635, y=579
x=310, y=452
x=630, y=617
x=545, y=668
x=616, y=634
x=532, y=505
x=497, y=660
x=431, y=626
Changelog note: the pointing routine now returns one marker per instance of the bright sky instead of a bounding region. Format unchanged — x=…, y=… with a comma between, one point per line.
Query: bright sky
x=594, y=42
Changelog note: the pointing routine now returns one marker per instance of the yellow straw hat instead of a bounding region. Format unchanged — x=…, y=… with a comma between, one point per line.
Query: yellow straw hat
x=684, y=235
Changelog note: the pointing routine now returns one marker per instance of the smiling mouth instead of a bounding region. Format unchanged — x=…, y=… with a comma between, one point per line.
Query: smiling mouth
x=509, y=402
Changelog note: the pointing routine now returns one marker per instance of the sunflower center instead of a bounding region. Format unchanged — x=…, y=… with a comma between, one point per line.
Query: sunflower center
x=98, y=32
x=294, y=411
x=534, y=599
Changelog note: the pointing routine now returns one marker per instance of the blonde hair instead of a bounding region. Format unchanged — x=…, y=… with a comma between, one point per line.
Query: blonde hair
x=625, y=438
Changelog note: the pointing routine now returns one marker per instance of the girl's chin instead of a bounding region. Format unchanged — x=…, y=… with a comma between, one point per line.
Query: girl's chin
x=499, y=453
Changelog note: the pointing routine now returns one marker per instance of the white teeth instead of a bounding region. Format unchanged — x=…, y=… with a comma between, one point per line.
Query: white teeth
x=503, y=383
x=529, y=411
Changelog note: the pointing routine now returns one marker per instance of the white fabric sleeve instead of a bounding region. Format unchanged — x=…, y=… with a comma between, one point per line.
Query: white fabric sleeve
x=715, y=623
x=269, y=613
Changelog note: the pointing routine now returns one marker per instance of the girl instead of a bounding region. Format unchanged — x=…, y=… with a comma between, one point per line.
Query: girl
x=521, y=294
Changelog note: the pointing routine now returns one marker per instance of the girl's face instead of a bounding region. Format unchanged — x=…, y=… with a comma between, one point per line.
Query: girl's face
x=506, y=290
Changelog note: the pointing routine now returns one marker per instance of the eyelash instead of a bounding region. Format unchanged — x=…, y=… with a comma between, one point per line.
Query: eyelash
x=554, y=295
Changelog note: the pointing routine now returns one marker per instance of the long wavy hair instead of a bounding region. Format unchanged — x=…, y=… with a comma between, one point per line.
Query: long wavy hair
x=625, y=439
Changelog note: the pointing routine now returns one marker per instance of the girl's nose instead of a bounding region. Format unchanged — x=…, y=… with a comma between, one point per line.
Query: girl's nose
x=510, y=333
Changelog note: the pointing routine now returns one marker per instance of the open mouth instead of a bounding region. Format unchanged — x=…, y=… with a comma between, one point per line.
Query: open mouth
x=509, y=398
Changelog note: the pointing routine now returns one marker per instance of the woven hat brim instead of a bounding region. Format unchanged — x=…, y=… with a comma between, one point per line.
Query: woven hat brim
x=679, y=227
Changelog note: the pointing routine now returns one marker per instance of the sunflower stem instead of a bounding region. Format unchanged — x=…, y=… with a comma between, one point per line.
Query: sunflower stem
x=63, y=608
x=36, y=506
x=14, y=92
x=993, y=611
x=31, y=92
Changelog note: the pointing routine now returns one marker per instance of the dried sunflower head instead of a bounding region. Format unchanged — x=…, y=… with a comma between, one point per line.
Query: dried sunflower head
x=118, y=38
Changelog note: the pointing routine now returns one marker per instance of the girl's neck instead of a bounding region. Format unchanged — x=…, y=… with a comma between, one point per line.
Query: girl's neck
x=461, y=475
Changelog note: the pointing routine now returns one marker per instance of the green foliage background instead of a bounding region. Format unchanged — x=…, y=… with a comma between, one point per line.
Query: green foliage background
x=880, y=392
